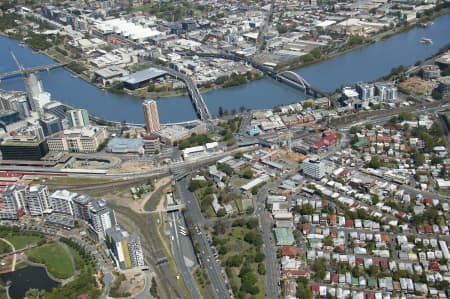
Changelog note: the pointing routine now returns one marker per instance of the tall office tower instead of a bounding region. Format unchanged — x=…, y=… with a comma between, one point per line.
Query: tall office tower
x=36, y=94
x=50, y=124
x=12, y=202
x=151, y=116
x=101, y=218
x=78, y=118
x=38, y=200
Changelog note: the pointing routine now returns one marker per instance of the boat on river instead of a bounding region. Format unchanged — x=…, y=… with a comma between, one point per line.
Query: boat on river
x=426, y=24
x=426, y=40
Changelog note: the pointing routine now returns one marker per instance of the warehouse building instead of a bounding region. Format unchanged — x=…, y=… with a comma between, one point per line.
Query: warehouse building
x=142, y=78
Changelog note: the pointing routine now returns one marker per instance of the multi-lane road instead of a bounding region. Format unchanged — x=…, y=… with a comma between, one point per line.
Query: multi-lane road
x=212, y=268
x=183, y=252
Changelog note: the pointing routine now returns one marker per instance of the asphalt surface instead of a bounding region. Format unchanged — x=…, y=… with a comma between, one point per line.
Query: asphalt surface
x=272, y=277
x=180, y=250
x=212, y=268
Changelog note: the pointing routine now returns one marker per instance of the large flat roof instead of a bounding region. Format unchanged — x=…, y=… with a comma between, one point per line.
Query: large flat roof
x=143, y=75
x=124, y=143
x=111, y=71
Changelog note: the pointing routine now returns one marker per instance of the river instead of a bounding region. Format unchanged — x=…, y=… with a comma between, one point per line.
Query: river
x=27, y=278
x=364, y=64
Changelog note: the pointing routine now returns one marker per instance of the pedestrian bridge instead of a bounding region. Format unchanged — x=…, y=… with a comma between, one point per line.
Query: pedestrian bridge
x=174, y=208
x=47, y=67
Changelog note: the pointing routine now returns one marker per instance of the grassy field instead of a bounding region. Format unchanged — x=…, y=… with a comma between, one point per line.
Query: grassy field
x=21, y=240
x=55, y=258
x=240, y=182
x=203, y=283
x=4, y=248
x=75, y=181
x=2, y=293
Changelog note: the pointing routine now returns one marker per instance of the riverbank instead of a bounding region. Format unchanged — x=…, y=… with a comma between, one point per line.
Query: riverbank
x=233, y=80
x=57, y=56
x=364, y=65
x=297, y=65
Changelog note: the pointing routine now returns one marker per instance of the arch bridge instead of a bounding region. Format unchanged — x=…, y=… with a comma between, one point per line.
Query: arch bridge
x=294, y=79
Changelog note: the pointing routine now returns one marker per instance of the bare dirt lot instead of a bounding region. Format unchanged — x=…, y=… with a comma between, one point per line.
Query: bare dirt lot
x=132, y=166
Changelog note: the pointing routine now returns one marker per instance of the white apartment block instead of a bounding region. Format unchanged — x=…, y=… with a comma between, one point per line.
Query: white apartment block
x=61, y=201
x=12, y=202
x=386, y=91
x=314, y=168
x=101, y=217
x=38, y=201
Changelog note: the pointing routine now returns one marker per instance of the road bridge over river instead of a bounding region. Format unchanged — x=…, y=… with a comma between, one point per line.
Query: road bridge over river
x=197, y=100
x=288, y=77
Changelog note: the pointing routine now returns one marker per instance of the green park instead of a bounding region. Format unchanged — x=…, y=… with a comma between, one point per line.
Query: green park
x=64, y=260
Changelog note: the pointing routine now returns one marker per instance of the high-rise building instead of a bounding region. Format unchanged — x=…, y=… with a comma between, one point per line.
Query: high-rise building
x=366, y=91
x=429, y=72
x=36, y=94
x=8, y=117
x=55, y=108
x=15, y=101
x=38, y=201
x=12, y=202
x=444, y=85
x=50, y=124
x=62, y=201
x=101, y=218
x=23, y=147
x=151, y=116
x=386, y=91
x=126, y=248
x=81, y=206
x=314, y=168
x=78, y=118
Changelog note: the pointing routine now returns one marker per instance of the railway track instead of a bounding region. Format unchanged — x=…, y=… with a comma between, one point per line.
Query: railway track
x=151, y=245
x=119, y=184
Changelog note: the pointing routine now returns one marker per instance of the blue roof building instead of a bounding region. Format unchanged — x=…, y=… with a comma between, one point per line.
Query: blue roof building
x=125, y=145
x=253, y=131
